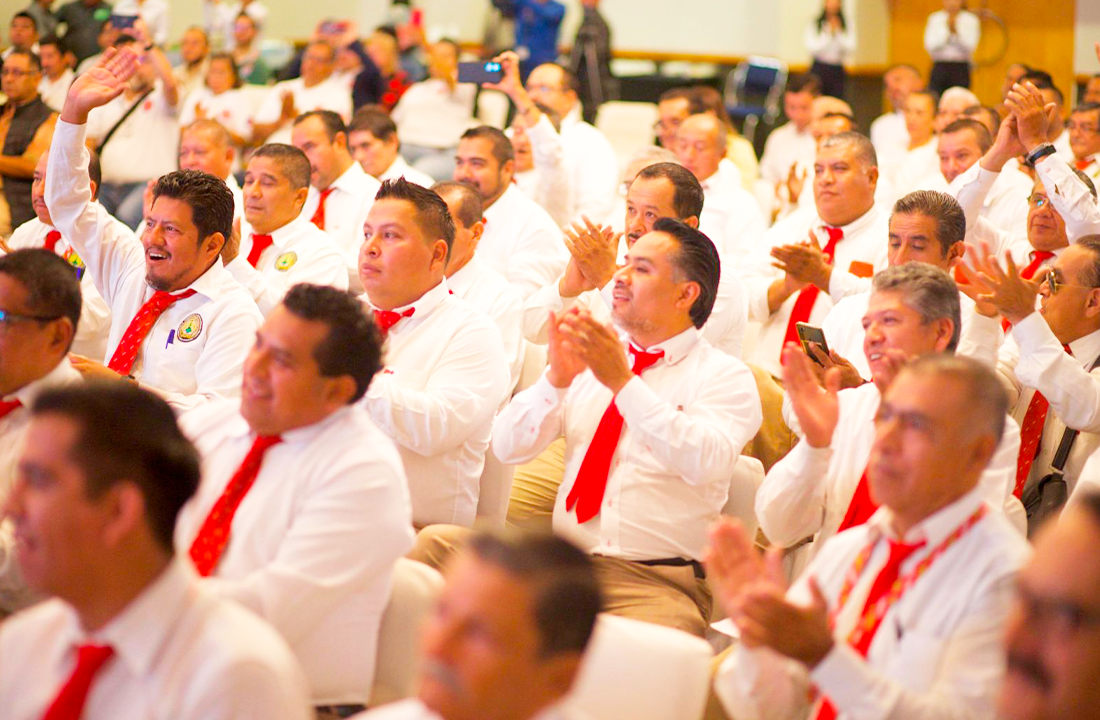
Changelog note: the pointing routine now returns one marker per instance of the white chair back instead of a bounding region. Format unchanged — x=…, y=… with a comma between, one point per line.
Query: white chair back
x=415, y=590
x=628, y=125
x=748, y=474
x=492, y=108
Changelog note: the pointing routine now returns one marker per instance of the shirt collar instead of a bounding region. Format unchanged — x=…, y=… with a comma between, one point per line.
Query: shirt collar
x=396, y=169
x=676, y=348
x=863, y=222
x=281, y=238
x=350, y=179
x=211, y=283
x=573, y=117
x=495, y=213
x=934, y=528
x=465, y=276
x=1086, y=349
x=422, y=306
x=62, y=374
x=238, y=427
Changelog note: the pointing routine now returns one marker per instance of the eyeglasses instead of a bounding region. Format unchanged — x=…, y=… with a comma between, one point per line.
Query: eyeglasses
x=1083, y=127
x=1037, y=201
x=8, y=319
x=1056, y=284
x=16, y=72
x=1061, y=617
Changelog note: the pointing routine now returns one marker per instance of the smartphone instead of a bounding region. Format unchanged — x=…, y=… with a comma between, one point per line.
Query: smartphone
x=123, y=21
x=330, y=27
x=479, y=72
x=807, y=334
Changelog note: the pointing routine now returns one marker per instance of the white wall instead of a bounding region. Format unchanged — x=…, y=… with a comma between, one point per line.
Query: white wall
x=1086, y=34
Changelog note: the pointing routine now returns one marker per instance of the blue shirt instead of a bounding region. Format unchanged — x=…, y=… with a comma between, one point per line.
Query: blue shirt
x=537, y=26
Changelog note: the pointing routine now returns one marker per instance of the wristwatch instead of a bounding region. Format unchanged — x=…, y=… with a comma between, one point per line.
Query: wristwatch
x=1040, y=152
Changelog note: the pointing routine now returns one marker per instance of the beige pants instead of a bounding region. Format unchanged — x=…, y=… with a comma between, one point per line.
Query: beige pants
x=663, y=595
x=534, y=488
x=774, y=439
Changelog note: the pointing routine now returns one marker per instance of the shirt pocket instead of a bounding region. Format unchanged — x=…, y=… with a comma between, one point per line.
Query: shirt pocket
x=916, y=659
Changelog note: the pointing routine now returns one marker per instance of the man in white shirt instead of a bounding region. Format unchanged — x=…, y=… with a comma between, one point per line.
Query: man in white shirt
x=446, y=371
x=473, y=281
x=904, y=614
x=821, y=487
x=373, y=142
x=195, y=55
x=888, y=133
x=590, y=160
x=951, y=105
x=206, y=145
x=340, y=191
x=57, y=75
x=40, y=303
x=520, y=241
x=129, y=629
x=847, y=227
x=918, y=167
x=791, y=142
x=180, y=322
x=962, y=144
x=278, y=246
x=537, y=597
x=316, y=89
x=731, y=217
x=1084, y=138
x=639, y=497
x=325, y=510
x=95, y=317
x=951, y=36
x=1052, y=639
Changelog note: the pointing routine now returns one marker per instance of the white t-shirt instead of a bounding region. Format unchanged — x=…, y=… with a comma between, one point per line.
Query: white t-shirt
x=145, y=146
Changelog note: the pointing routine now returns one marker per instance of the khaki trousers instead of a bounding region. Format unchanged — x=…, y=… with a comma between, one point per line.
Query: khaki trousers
x=663, y=595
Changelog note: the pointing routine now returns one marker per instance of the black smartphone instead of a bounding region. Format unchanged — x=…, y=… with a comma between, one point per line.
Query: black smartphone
x=807, y=334
x=480, y=72
x=123, y=21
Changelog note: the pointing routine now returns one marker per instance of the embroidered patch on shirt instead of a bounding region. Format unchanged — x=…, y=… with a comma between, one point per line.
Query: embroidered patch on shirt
x=190, y=328
x=286, y=261
x=78, y=265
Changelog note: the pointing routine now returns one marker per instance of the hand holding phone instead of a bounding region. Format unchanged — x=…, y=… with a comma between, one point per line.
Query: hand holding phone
x=810, y=334
x=480, y=72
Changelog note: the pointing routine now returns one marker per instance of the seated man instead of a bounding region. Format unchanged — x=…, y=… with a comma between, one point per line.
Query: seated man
x=888, y=132
x=309, y=489
x=1084, y=138
x=277, y=246
x=206, y=145
x=961, y=145
x=446, y=371
x=129, y=630
x=821, y=487
x=537, y=597
x=639, y=497
x=902, y=615
x=180, y=323
x=340, y=191
x=29, y=125
x=373, y=142
x=316, y=89
x=95, y=317
x=847, y=228
x=520, y=241
x=918, y=167
x=57, y=71
x=1052, y=637
x=791, y=142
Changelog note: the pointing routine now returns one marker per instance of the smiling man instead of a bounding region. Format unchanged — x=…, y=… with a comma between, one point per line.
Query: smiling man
x=180, y=323
x=278, y=246
x=309, y=491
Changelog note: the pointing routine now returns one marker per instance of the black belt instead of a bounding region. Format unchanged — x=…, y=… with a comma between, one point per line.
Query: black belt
x=700, y=573
x=341, y=711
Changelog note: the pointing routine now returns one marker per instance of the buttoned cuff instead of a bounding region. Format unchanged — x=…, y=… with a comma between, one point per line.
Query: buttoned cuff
x=543, y=392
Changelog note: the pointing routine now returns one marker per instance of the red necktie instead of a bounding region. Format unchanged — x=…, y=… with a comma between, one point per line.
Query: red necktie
x=318, y=218
x=1082, y=164
x=885, y=580
x=50, y=242
x=1038, y=257
x=259, y=244
x=69, y=703
x=588, y=488
x=1031, y=435
x=8, y=407
x=385, y=319
x=804, y=305
x=122, y=362
x=213, y=536
x=861, y=506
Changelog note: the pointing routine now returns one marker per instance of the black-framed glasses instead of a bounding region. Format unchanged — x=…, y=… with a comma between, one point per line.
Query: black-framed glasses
x=8, y=319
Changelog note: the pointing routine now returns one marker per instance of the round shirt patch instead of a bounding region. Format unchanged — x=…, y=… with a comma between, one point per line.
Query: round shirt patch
x=286, y=261
x=190, y=328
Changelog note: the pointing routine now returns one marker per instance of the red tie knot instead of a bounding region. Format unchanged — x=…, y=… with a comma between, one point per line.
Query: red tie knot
x=52, y=237
x=644, y=360
x=9, y=406
x=835, y=234
x=259, y=244
x=263, y=442
x=899, y=551
x=93, y=656
x=386, y=319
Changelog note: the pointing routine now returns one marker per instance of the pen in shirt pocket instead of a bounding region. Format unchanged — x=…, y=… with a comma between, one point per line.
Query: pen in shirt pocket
x=171, y=338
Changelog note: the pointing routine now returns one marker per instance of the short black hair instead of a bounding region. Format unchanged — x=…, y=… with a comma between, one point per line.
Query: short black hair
x=209, y=198
x=502, y=146
x=941, y=207
x=375, y=120
x=330, y=121
x=567, y=596
x=1085, y=107
x=698, y=260
x=470, y=208
x=687, y=199
x=292, y=162
x=32, y=57
x=353, y=345
x=569, y=81
x=432, y=214
x=56, y=41
x=676, y=93
x=28, y=16
x=128, y=434
x=53, y=290
x=981, y=132
x=1042, y=80
x=805, y=82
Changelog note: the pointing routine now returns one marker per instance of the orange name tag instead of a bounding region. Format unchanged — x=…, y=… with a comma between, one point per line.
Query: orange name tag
x=861, y=269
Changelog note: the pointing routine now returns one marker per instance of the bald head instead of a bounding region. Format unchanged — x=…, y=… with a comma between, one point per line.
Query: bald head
x=206, y=145
x=701, y=144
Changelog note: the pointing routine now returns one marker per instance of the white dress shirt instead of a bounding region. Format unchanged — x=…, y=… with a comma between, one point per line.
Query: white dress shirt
x=484, y=288
x=731, y=217
x=522, y=243
x=1062, y=147
x=1033, y=359
x=195, y=350
x=413, y=709
x=890, y=137
x=142, y=135
x=807, y=493
x=432, y=114
x=946, y=46
x=1088, y=481
x=346, y=210
x=53, y=92
x=686, y=420
x=400, y=168
x=939, y=651
x=863, y=242
x=446, y=374
x=917, y=169
x=979, y=336
x=95, y=316
x=592, y=166
x=549, y=182
x=330, y=94
x=826, y=45
x=180, y=652
x=313, y=543
x=785, y=146
x=1006, y=204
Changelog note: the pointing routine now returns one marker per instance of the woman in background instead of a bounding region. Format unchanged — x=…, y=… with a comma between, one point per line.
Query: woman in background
x=830, y=43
